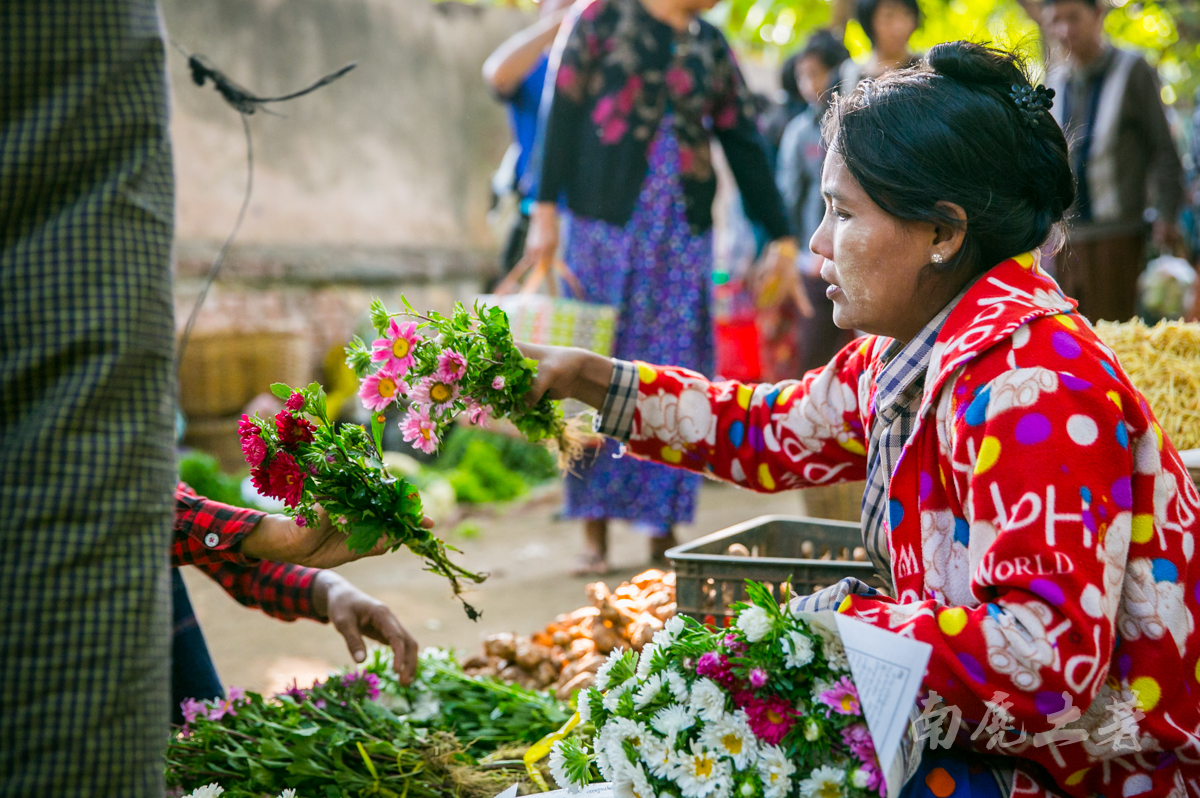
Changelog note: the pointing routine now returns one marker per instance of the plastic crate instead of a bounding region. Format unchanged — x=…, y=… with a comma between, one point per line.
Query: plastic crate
x=709, y=579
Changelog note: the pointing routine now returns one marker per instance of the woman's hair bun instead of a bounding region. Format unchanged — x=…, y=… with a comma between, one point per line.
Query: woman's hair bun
x=971, y=63
x=956, y=129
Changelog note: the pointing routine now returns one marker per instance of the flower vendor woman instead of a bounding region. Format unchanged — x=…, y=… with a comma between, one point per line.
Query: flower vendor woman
x=1038, y=528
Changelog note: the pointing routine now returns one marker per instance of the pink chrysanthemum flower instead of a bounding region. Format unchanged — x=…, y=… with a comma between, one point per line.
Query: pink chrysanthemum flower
x=298, y=694
x=758, y=678
x=498, y=383
x=733, y=645
x=395, y=348
x=452, y=366
x=435, y=393
x=369, y=681
x=295, y=402
x=420, y=430
x=261, y=479
x=192, y=709
x=858, y=739
x=743, y=698
x=223, y=708
x=716, y=667
x=247, y=428
x=254, y=449
x=842, y=698
x=771, y=718
x=875, y=779
x=380, y=389
x=292, y=431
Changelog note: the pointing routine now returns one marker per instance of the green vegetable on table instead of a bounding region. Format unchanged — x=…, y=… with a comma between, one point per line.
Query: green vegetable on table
x=364, y=734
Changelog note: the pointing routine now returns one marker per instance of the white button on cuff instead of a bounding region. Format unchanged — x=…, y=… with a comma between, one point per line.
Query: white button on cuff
x=212, y=539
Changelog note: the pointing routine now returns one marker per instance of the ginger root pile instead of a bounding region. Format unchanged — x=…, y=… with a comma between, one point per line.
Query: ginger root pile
x=567, y=653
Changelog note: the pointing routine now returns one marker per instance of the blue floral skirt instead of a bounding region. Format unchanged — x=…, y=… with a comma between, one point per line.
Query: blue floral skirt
x=656, y=271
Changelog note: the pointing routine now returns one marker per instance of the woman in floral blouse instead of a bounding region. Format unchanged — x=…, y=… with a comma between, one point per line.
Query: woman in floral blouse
x=639, y=89
x=1038, y=528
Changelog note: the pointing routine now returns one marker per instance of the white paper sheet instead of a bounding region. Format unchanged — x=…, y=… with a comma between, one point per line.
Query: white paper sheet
x=887, y=670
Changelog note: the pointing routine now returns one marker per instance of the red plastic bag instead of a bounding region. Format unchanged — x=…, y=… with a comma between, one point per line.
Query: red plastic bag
x=735, y=333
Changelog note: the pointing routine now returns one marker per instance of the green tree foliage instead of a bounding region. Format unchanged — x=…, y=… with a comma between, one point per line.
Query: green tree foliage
x=1167, y=32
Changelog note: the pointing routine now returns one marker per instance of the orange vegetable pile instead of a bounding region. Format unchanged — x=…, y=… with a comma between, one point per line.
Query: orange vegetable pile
x=566, y=654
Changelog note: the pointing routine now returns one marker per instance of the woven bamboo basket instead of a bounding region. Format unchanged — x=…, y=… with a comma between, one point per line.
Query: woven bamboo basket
x=218, y=437
x=222, y=371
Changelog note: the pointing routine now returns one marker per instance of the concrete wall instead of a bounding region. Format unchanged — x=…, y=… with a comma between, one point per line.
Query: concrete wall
x=395, y=154
x=373, y=185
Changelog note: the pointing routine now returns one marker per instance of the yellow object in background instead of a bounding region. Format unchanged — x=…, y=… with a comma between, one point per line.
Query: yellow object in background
x=1163, y=362
x=340, y=382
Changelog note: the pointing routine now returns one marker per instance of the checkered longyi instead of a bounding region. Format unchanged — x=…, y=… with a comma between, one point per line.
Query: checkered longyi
x=86, y=410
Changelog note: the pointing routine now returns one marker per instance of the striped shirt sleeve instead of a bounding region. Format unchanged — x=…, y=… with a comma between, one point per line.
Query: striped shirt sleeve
x=616, y=417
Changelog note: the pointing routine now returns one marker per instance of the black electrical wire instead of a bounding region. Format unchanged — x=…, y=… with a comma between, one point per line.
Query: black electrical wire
x=245, y=103
x=219, y=260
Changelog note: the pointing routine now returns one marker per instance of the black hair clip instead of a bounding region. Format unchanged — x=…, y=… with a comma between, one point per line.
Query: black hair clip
x=1032, y=101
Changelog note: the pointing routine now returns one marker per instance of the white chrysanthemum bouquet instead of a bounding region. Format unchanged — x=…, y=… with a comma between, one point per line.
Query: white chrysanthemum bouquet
x=764, y=709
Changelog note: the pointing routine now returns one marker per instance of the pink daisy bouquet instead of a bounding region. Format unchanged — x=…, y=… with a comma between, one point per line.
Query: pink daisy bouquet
x=764, y=709
x=444, y=367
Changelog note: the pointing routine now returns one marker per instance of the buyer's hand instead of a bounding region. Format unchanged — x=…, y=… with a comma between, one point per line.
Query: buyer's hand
x=779, y=278
x=541, y=243
x=355, y=615
x=568, y=373
x=277, y=538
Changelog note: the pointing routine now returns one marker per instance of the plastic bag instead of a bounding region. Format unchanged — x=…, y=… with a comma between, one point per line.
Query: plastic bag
x=1167, y=289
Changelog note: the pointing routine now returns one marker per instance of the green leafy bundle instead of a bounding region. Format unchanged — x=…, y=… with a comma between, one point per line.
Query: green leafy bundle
x=362, y=734
x=307, y=462
x=484, y=712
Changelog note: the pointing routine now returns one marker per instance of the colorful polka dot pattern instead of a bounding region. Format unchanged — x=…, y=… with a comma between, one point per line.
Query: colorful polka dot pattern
x=1036, y=496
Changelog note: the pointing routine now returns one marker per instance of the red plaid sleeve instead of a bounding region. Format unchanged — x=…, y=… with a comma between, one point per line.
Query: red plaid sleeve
x=280, y=590
x=208, y=534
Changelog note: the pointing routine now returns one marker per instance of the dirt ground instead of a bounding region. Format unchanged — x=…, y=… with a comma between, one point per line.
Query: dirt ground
x=525, y=548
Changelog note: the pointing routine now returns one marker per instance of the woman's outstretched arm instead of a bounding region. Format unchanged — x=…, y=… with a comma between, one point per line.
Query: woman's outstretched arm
x=793, y=434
